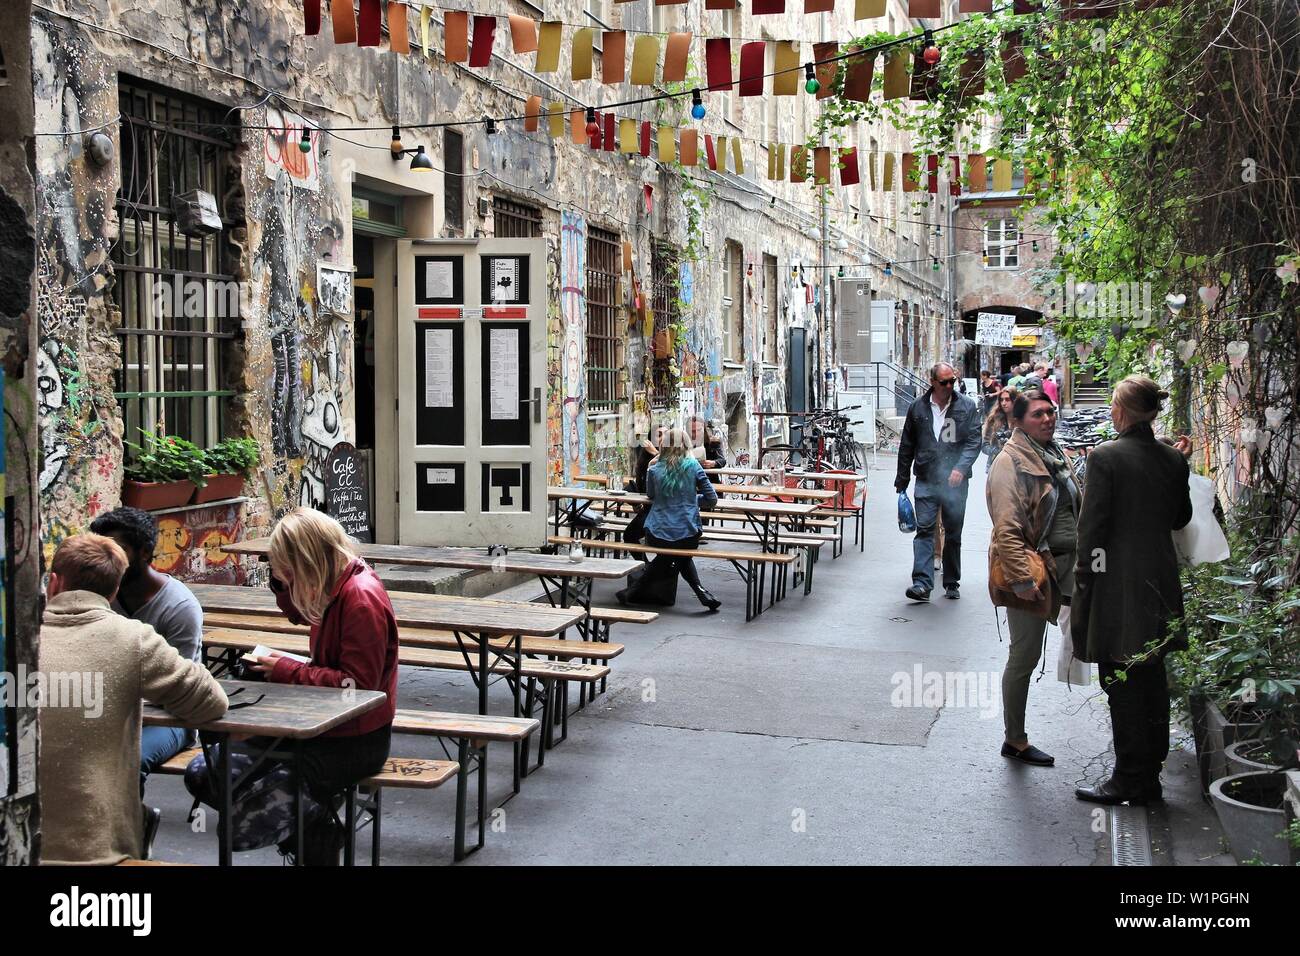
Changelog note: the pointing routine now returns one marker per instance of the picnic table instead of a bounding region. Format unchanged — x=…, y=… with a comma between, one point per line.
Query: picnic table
x=564, y=581
x=753, y=491
x=284, y=713
x=743, y=474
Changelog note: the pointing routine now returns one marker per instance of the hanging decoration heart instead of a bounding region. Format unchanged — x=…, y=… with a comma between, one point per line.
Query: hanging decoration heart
x=1186, y=348
x=1237, y=352
x=1176, y=302
x=1249, y=431
x=1209, y=295
x=1274, y=415
x=1083, y=350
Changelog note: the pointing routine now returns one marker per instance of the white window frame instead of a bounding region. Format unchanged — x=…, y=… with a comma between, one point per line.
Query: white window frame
x=1001, y=244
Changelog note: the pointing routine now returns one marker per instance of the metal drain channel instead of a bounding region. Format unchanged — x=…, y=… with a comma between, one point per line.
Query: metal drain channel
x=1130, y=839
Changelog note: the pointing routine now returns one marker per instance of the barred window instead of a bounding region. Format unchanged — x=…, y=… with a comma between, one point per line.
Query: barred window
x=453, y=180
x=1001, y=238
x=177, y=295
x=515, y=220
x=665, y=282
x=604, y=330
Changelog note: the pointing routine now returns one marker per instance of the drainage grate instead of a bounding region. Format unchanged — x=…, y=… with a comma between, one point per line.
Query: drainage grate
x=1130, y=840
x=901, y=620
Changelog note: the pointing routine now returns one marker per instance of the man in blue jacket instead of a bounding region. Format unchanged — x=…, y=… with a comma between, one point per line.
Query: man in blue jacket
x=941, y=440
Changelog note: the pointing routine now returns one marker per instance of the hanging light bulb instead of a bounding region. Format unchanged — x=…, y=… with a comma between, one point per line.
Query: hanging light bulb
x=889, y=268
x=841, y=244
x=749, y=270
x=840, y=272
x=1034, y=245
x=395, y=147
x=304, y=144
x=935, y=267
x=697, y=104
x=490, y=127
x=930, y=52
x=593, y=128
x=810, y=79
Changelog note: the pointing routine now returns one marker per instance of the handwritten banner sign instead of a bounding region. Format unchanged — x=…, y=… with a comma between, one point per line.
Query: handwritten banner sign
x=347, y=491
x=994, y=328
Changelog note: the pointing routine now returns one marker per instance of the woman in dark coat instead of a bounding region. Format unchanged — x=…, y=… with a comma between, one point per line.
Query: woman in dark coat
x=1127, y=588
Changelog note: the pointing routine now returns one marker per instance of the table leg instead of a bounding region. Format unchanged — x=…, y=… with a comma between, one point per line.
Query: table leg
x=483, y=673
x=224, y=853
x=298, y=814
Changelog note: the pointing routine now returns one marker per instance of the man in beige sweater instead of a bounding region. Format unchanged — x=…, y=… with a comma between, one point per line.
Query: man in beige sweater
x=95, y=668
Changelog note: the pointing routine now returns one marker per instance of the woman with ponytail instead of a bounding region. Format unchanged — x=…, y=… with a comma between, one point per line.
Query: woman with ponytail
x=678, y=489
x=1127, y=588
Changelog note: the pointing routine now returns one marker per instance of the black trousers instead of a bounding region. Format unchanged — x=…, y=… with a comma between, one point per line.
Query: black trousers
x=1139, y=720
x=664, y=568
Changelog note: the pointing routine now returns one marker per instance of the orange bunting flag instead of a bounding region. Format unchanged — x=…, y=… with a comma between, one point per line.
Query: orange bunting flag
x=822, y=164
x=523, y=34
x=798, y=164
x=910, y=184
x=344, y=19
x=826, y=72
x=532, y=113
x=613, y=61
x=399, y=40
x=954, y=182
x=676, y=54
x=578, y=127
x=923, y=9
x=455, y=35
x=689, y=147
x=975, y=6
x=976, y=173
x=818, y=6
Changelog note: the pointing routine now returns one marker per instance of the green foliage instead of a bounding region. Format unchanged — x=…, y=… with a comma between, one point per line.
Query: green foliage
x=166, y=458
x=234, y=456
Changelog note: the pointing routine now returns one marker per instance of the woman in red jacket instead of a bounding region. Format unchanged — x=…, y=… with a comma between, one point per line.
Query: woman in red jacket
x=353, y=645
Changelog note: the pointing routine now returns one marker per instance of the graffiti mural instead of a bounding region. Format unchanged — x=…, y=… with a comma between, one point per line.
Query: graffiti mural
x=573, y=309
x=189, y=545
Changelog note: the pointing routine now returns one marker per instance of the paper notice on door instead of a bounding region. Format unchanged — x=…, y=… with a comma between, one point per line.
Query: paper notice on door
x=440, y=476
x=439, y=375
x=505, y=279
x=504, y=369
x=438, y=280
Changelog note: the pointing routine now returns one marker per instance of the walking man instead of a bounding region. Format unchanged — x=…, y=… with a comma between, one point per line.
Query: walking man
x=941, y=440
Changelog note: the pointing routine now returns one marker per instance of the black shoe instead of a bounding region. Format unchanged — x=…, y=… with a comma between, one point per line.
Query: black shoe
x=152, y=817
x=622, y=597
x=917, y=593
x=1110, y=794
x=708, y=600
x=1030, y=755
x=952, y=594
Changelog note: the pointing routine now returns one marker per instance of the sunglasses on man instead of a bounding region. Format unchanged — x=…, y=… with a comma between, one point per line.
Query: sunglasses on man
x=946, y=381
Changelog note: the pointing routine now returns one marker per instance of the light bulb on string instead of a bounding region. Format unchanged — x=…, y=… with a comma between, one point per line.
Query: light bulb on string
x=490, y=126
x=304, y=144
x=1034, y=245
x=593, y=128
x=935, y=267
x=889, y=268
x=930, y=52
x=697, y=104
x=810, y=78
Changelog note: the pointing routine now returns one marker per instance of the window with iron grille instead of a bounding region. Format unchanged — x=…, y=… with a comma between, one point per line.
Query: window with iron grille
x=515, y=220
x=453, y=179
x=733, y=299
x=177, y=295
x=604, y=329
x=665, y=280
x=771, y=309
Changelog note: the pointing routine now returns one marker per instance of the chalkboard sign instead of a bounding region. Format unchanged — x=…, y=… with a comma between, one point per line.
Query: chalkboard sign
x=347, y=491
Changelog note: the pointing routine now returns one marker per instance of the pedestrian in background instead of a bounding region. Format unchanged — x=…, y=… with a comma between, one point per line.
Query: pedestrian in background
x=940, y=442
x=1128, y=588
x=997, y=427
x=1034, y=503
x=1050, y=386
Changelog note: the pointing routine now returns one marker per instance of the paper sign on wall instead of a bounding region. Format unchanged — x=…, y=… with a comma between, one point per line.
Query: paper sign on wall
x=439, y=375
x=438, y=280
x=504, y=369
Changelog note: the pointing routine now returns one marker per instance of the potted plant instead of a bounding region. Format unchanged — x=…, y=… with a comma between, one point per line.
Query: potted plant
x=228, y=465
x=1251, y=811
x=165, y=471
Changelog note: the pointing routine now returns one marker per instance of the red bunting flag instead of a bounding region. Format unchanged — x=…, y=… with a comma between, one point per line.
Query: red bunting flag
x=596, y=140
x=649, y=192
x=485, y=31
x=975, y=6
x=752, y=56
x=710, y=156
x=311, y=17
x=610, y=121
x=370, y=23
x=717, y=57
x=645, y=138
x=932, y=169
x=954, y=183
x=849, y=175
x=928, y=9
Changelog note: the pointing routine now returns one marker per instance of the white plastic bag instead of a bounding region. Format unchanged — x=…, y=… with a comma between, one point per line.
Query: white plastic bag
x=1202, y=541
x=1069, y=669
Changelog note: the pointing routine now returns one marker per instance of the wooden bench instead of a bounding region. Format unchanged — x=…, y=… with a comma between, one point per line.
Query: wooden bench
x=750, y=565
x=859, y=533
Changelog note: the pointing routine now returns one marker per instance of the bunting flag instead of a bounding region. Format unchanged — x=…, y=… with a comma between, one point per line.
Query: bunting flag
x=311, y=17
x=737, y=157
x=1001, y=176
x=857, y=77
x=1020, y=7
x=932, y=173
x=909, y=173
x=613, y=60
x=970, y=77
x=597, y=140
x=455, y=35
x=924, y=83
x=370, y=24
x=867, y=9
x=872, y=182
x=954, y=181
x=532, y=113
x=523, y=34
x=580, y=59
x=627, y=136
x=667, y=144
x=720, y=4
x=645, y=138
x=556, y=120
x=627, y=256
x=826, y=72
x=822, y=165
x=975, y=6
x=1013, y=58
x=548, y=47
x=717, y=57
x=752, y=57
x=786, y=67
x=399, y=39
x=485, y=33
x=798, y=164
x=578, y=127
x=849, y=175
x=710, y=157
x=976, y=175
x=722, y=154
x=888, y=184
x=776, y=161
x=761, y=8
x=689, y=147
x=923, y=9
x=607, y=140
x=676, y=53
x=648, y=192
x=645, y=59
x=426, y=14
x=818, y=6
x=896, y=77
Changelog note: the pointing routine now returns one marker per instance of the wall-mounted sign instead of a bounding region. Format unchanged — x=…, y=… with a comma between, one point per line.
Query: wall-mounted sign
x=994, y=328
x=334, y=288
x=347, y=491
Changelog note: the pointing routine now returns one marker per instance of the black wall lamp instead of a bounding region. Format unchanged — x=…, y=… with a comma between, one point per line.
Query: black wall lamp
x=420, y=161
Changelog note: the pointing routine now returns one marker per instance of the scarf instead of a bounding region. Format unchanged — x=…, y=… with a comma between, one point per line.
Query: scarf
x=1054, y=458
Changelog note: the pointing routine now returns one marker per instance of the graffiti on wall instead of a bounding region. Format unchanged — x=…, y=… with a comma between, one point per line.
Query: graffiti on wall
x=189, y=545
x=573, y=310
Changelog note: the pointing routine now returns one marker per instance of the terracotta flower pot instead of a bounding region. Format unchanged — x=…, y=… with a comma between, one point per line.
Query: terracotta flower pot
x=156, y=495
x=218, y=488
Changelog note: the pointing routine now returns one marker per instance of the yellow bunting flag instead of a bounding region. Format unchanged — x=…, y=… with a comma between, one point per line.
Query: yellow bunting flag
x=667, y=144
x=776, y=161
x=872, y=182
x=888, y=185
x=1001, y=176
x=581, y=60
x=690, y=147
x=737, y=158
x=548, y=47
x=556, y=119
x=786, y=67
x=721, y=153
x=676, y=53
x=627, y=138
x=645, y=59
x=426, y=14
x=532, y=113
x=865, y=9
x=896, y=77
